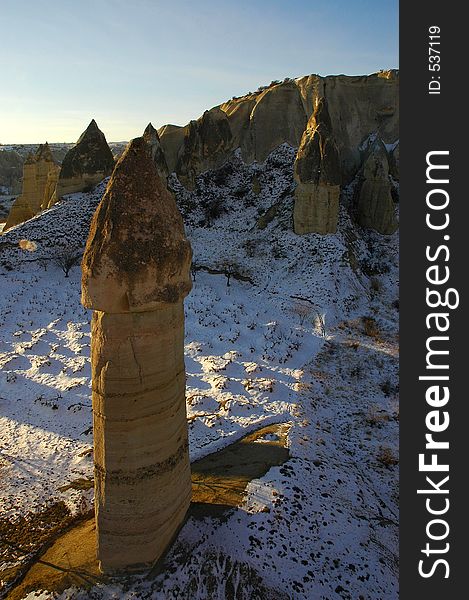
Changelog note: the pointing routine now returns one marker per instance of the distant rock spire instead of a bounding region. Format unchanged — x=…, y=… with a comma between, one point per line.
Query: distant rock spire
x=40, y=173
x=86, y=164
x=318, y=177
x=150, y=135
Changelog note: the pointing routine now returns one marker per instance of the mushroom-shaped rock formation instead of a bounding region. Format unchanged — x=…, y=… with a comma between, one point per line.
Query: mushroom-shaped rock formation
x=317, y=173
x=86, y=164
x=375, y=204
x=150, y=135
x=40, y=173
x=136, y=273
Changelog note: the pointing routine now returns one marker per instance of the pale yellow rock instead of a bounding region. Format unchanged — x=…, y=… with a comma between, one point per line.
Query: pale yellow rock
x=317, y=173
x=316, y=208
x=142, y=474
x=171, y=139
x=136, y=273
x=40, y=173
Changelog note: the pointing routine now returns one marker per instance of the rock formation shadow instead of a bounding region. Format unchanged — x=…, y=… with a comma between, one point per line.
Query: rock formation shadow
x=219, y=482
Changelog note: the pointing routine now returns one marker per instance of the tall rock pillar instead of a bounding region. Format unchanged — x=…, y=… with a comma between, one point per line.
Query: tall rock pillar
x=317, y=173
x=136, y=273
x=375, y=204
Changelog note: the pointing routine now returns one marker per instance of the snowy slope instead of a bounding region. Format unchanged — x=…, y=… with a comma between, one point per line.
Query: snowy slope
x=323, y=525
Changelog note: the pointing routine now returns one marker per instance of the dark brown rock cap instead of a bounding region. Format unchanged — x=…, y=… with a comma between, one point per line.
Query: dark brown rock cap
x=137, y=256
x=91, y=154
x=44, y=153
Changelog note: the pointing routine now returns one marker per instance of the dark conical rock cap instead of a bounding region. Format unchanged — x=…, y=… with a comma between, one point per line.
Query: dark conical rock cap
x=137, y=257
x=150, y=133
x=317, y=160
x=91, y=131
x=30, y=159
x=44, y=153
x=91, y=154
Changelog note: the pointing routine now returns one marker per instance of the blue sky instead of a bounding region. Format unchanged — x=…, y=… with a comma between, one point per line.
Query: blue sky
x=128, y=62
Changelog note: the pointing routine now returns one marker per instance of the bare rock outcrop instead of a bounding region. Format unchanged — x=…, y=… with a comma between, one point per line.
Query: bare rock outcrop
x=86, y=164
x=375, y=209
x=150, y=135
x=40, y=174
x=318, y=177
x=11, y=170
x=278, y=117
x=207, y=143
x=277, y=114
x=136, y=273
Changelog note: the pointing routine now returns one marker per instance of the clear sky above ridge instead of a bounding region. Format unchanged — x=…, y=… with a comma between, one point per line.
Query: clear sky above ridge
x=128, y=62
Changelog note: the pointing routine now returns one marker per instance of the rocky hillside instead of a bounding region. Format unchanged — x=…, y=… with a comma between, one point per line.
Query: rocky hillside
x=300, y=331
x=304, y=334
x=259, y=122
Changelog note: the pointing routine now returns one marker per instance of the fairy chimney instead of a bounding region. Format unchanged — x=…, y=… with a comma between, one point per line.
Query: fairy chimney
x=317, y=173
x=136, y=273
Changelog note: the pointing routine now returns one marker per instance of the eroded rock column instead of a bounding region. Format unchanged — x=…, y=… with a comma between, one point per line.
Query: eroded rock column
x=375, y=203
x=136, y=273
x=317, y=173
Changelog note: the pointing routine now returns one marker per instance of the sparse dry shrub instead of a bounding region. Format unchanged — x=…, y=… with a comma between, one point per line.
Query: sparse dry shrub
x=375, y=417
x=302, y=311
x=370, y=327
x=66, y=258
x=386, y=456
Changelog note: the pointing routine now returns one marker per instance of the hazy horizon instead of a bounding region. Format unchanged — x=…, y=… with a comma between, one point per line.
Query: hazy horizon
x=166, y=63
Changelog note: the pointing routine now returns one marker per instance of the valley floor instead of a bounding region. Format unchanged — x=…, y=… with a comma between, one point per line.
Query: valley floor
x=304, y=338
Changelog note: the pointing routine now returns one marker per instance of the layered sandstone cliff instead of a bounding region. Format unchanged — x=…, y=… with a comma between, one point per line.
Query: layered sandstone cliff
x=135, y=277
x=375, y=209
x=257, y=123
x=40, y=175
x=318, y=177
x=86, y=164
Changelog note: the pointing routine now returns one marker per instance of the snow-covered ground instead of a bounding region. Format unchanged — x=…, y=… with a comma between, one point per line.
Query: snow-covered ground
x=305, y=333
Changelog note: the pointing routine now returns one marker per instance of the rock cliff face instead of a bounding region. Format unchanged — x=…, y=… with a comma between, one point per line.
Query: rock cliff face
x=142, y=470
x=375, y=208
x=86, y=164
x=259, y=122
x=150, y=135
x=40, y=173
x=318, y=176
